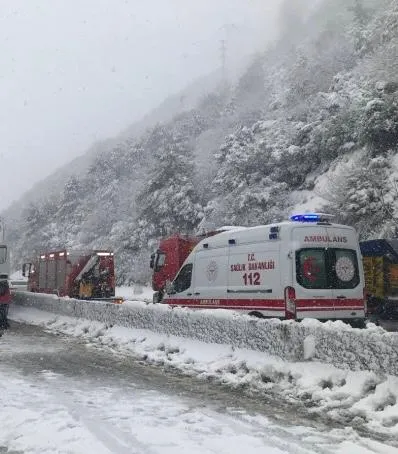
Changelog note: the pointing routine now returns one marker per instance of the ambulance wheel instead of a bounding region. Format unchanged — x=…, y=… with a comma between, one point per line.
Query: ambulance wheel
x=358, y=323
x=256, y=314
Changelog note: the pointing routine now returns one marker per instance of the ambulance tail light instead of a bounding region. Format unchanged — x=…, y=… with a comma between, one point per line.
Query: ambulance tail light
x=290, y=303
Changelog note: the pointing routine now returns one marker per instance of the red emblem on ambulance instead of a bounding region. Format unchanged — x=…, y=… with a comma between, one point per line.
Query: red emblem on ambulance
x=310, y=269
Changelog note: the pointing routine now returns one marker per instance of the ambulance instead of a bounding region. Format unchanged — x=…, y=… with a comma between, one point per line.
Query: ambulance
x=306, y=267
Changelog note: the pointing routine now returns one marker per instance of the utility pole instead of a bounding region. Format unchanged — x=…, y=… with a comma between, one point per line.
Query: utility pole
x=227, y=30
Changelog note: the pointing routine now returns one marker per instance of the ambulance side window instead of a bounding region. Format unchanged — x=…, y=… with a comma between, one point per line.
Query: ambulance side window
x=183, y=280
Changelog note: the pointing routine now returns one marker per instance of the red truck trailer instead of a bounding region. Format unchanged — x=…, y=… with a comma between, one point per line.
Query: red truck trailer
x=77, y=274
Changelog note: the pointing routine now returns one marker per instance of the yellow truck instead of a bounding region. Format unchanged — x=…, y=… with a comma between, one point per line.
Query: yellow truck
x=380, y=265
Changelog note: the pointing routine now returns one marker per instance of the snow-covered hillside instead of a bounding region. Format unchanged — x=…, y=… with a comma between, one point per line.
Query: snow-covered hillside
x=311, y=124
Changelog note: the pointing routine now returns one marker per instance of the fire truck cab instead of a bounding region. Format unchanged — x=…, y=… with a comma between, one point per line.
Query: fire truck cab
x=305, y=267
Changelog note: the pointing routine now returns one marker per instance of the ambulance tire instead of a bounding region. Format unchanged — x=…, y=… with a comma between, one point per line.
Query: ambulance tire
x=256, y=314
x=357, y=323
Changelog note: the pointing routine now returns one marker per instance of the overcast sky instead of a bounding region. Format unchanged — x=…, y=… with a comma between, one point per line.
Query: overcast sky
x=76, y=71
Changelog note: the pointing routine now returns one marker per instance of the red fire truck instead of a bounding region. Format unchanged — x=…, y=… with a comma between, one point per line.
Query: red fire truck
x=77, y=274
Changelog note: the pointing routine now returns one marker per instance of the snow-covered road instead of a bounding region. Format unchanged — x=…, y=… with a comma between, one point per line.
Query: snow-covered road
x=62, y=395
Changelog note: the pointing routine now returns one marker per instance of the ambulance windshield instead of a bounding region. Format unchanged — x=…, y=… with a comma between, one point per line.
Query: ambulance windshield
x=319, y=268
x=183, y=281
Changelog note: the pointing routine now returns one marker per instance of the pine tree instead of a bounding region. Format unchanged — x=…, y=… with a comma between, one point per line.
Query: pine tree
x=361, y=18
x=168, y=202
x=361, y=196
x=379, y=125
x=71, y=197
x=246, y=193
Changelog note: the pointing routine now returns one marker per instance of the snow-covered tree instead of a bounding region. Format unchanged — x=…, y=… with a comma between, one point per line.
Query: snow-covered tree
x=379, y=124
x=361, y=195
x=361, y=17
x=244, y=189
x=168, y=201
x=71, y=199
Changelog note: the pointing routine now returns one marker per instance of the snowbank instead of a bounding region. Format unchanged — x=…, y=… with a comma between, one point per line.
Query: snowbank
x=371, y=349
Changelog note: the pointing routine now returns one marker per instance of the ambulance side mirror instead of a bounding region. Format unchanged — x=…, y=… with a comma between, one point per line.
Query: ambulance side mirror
x=169, y=287
x=158, y=259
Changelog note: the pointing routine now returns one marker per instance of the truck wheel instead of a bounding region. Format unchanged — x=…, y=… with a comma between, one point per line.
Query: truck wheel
x=157, y=297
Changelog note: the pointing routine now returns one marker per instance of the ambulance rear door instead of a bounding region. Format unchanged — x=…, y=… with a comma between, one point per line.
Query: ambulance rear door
x=313, y=293
x=346, y=277
x=327, y=272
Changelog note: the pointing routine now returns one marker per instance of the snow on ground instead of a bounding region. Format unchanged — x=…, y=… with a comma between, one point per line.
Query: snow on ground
x=135, y=293
x=361, y=399
x=17, y=275
x=63, y=397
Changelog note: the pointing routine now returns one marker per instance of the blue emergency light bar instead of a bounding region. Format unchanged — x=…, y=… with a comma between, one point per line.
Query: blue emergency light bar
x=311, y=217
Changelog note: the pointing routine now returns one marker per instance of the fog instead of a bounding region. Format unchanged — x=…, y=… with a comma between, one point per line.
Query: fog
x=77, y=71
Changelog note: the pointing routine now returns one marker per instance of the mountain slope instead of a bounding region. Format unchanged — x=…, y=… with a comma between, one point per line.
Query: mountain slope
x=312, y=123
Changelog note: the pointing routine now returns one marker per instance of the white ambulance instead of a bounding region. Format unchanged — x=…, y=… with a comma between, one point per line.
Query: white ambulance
x=307, y=267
